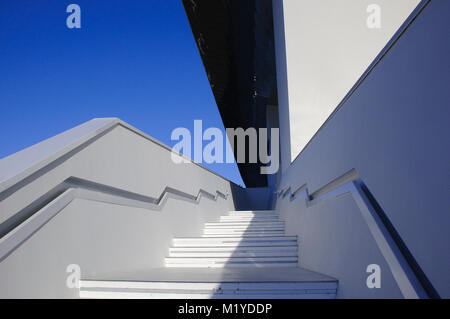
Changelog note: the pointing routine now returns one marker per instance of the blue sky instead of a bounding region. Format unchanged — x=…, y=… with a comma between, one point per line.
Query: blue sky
x=135, y=60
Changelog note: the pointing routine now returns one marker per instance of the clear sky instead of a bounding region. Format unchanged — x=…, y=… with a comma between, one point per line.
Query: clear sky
x=135, y=60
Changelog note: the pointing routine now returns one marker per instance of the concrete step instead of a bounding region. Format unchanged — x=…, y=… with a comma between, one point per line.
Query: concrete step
x=244, y=235
x=243, y=231
x=274, y=253
x=232, y=249
x=253, y=212
x=165, y=294
x=239, y=232
x=278, y=261
x=195, y=290
x=286, y=264
x=249, y=227
x=235, y=265
x=245, y=224
x=249, y=219
x=251, y=216
x=235, y=241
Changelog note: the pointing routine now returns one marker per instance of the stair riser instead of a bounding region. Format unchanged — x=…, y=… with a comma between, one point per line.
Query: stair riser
x=258, y=229
x=252, y=212
x=231, y=249
x=243, y=231
x=245, y=235
x=252, y=215
x=208, y=260
x=250, y=226
x=240, y=218
x=251, y=221
x=235, y=241
x=235, y=254
x=203, y=286
x=245, y=224
x=170, y=295
x=233, y=245
x=239, y=265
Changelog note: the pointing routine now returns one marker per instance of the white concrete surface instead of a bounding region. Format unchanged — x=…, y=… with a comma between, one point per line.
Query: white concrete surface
x=210, y=268
x=327, y=46
x=392, y=131
x=238, y=283
x=256, y=241
x=120, y=219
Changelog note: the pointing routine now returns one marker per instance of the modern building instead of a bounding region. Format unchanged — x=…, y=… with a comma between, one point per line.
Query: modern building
x=359, y=207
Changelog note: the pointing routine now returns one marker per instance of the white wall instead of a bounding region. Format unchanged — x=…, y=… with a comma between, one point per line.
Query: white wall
x=327, y=48
x=394, y=132
x=103, y=238
x=122, y=159
x=335, y=240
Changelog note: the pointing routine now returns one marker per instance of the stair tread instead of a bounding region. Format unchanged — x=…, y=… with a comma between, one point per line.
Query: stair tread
x=220, y=248
x=161, y=274
x=232, y=255
x=239, y=238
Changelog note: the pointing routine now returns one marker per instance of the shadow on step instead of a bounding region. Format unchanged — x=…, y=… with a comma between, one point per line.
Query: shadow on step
x=244, y=255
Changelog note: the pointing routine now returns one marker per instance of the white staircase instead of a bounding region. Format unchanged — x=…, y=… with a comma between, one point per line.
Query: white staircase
x=246, y=255
x=241, y=239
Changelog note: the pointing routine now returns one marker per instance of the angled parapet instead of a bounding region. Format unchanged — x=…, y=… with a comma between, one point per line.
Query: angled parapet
x=81, y=188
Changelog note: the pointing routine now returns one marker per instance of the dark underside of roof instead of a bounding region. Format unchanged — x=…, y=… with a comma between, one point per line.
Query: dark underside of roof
x=235, y=41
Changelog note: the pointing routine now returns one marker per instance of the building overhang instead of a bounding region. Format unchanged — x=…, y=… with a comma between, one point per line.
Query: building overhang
x=235, y=42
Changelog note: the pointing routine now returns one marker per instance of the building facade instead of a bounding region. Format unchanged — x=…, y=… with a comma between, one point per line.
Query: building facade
x=359, y=207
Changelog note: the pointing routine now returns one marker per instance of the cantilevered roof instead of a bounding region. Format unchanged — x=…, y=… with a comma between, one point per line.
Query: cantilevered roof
x=235, y=42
